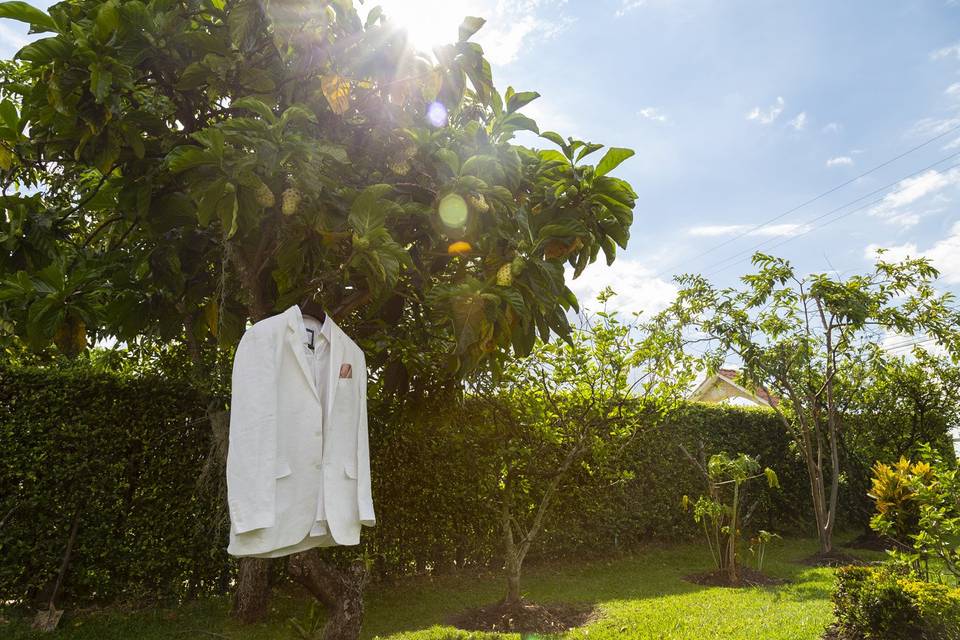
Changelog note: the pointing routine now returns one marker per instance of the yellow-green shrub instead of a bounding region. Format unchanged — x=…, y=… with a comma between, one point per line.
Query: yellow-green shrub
x=879, y=604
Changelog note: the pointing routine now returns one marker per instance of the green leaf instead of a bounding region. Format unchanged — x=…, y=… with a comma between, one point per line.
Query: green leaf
x=611, y=160
x=256, y=105
x=334, y=152
x=243, y=21
x=587, y=150
x=772, y=479
x=134, y=141
x=552, y=155
x=24, y=12
x=449, y=158
x=8, y=113
x=187, y=157
x=368, y=211
x=520, y=100
x=227, y=208
x=297, y=113
x=108, y=20
x=469, y=26
x=373, y=16
x=207, y=205
x=563, y=229
x=45, y=50
x=520, y=122
x=194, y=76
x=555, y=138
x=101, y=81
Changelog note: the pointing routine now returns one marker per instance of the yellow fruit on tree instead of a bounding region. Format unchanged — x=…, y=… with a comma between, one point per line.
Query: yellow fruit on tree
x=504, y=275
x=459, y=248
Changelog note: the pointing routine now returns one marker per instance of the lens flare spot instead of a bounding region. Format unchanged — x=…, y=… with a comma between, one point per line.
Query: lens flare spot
x=453, y=211
x=437, y=114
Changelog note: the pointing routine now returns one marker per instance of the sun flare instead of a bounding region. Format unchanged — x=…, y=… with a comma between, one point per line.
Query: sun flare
x=428, y=23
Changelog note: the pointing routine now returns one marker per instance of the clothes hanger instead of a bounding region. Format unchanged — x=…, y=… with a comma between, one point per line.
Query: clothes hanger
x=313, y=309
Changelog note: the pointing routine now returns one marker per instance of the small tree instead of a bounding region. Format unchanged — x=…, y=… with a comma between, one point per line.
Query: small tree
x=576, y=402
x=810, y=340
x=720, y=511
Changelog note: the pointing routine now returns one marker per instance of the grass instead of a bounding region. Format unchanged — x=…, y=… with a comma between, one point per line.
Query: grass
x=642, y=596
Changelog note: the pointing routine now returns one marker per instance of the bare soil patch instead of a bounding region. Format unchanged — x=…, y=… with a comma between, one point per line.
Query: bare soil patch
x=525, y=617
x=748, y=578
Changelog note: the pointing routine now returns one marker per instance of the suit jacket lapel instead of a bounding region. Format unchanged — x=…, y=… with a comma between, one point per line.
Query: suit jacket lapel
x=295, y=334
x=337, y=354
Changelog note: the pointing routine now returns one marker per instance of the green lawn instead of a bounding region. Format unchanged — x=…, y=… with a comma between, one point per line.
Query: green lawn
x=642, y=596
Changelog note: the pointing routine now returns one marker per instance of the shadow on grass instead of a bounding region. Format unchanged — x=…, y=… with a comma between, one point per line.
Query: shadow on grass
x=421, y=603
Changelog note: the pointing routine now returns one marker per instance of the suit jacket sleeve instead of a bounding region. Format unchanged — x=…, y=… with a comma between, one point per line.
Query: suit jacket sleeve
x=251, y=458
x=364, y=493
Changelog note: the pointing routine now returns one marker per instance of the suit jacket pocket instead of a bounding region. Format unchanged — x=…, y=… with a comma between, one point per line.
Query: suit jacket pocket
x=282, y=469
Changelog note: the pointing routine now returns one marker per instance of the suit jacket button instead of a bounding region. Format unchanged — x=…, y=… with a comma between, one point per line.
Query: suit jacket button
x=318, y=465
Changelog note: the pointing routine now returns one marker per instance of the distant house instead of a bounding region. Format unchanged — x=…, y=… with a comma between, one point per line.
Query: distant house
x=721, y=388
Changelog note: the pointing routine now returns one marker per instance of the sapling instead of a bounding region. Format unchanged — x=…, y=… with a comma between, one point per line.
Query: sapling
x=721, y=521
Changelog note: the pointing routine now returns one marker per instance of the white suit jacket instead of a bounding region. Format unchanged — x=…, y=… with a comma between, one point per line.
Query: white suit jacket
x=298, y=464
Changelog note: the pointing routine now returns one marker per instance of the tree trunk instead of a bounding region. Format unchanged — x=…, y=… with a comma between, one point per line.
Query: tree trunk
x=253, y=590
x=732, y=538
x=513, y=579
x=341, y=592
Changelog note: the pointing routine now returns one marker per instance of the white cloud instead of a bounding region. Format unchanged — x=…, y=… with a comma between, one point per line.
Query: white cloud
x=912, y=189
x=832, y=127
x=953, y=90
x=768, y=115
x=768, y=231
x=800, y=122
x=626, y=6
x=652, y=113
x=637, y=286
x=944, y=254
x=891, y=253
x=839, y=160
x=953, y=51
x=907, y=203
x=928, y=127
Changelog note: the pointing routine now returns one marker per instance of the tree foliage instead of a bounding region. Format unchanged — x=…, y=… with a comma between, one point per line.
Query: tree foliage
x=812, y=341
x=173, y=168
x=567, y=406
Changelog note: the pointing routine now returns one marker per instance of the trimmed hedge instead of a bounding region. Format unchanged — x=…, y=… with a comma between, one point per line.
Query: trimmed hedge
x=126, y=453
x=122, y=452
x=877, y=603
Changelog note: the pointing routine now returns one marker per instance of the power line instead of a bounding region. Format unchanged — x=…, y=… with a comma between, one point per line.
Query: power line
x=909, y=343
x=736, y=258
x=811, y=200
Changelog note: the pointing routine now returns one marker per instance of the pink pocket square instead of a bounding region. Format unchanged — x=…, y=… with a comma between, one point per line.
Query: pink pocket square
x=346, y=370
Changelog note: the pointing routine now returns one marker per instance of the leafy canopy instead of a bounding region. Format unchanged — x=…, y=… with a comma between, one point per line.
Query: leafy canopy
x=173, y=168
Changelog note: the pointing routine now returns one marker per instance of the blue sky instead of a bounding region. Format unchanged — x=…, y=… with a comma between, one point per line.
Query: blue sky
x=739, y=111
